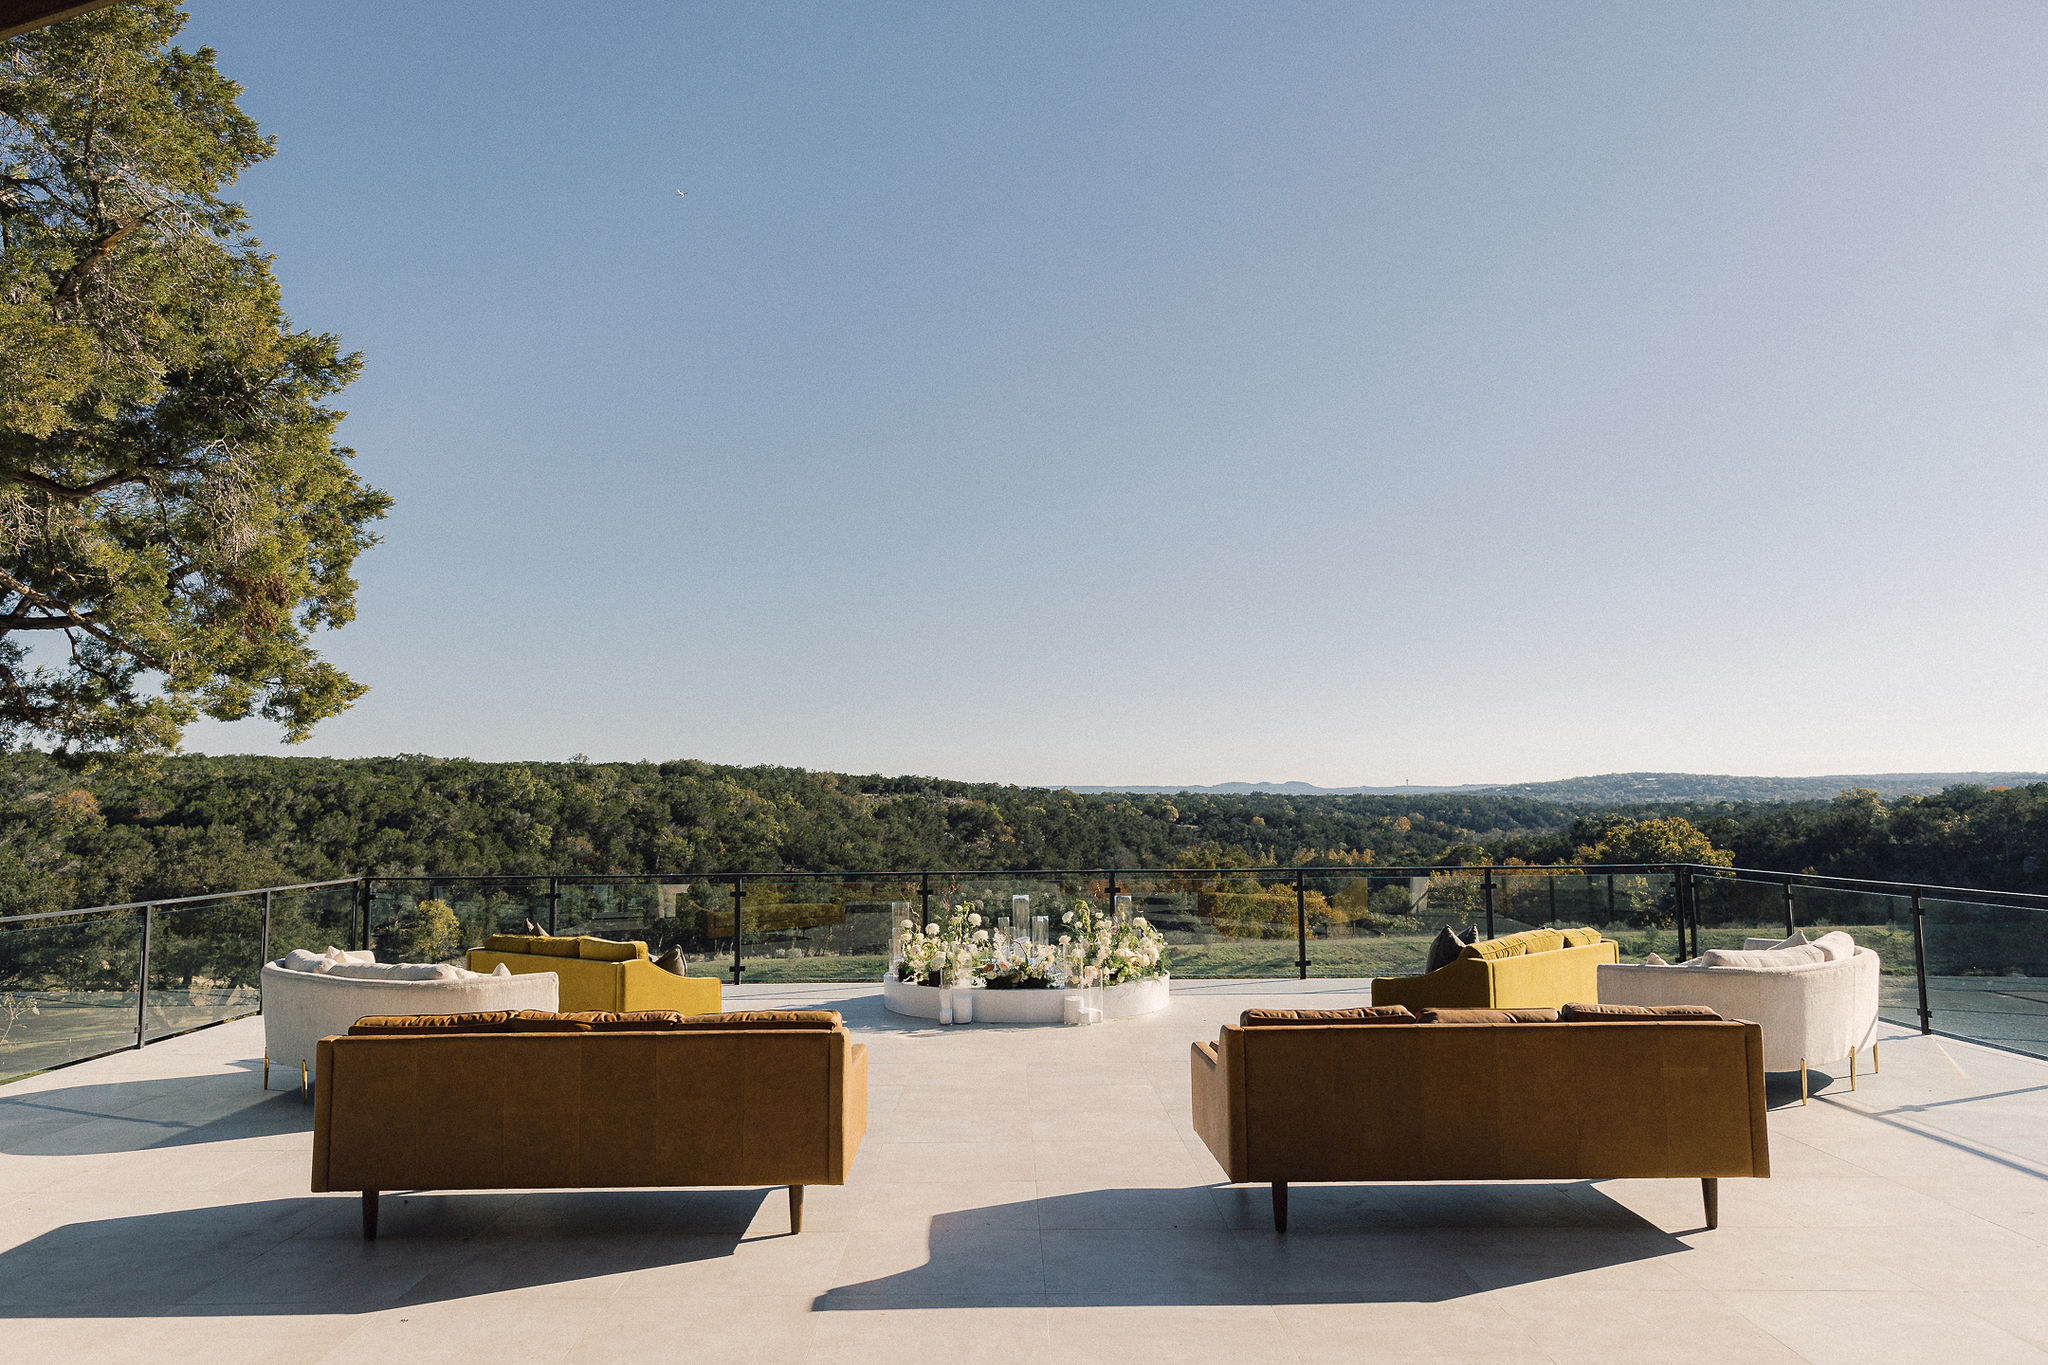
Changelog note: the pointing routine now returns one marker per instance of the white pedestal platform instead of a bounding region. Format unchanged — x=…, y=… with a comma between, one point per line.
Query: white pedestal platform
x=1029, y=1005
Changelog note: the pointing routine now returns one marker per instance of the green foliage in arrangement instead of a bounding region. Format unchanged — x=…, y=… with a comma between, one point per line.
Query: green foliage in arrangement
x=176, y=521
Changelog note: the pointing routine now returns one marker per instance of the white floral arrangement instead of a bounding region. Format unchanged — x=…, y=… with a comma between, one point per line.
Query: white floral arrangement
x=1093, y=950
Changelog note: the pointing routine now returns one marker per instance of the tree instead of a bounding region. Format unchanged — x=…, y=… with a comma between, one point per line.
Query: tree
x=175, y=518
x=1672, y=839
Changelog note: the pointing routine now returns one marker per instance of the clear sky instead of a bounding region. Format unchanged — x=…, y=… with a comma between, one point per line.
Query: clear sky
x=1179, y=393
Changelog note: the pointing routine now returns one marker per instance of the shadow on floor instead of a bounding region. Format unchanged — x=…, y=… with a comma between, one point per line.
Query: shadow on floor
x=131, y=1116
x=1346, y=1244
x=289, y=1256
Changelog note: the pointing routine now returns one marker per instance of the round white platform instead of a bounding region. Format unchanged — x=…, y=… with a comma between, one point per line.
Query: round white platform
x=1031, y=1005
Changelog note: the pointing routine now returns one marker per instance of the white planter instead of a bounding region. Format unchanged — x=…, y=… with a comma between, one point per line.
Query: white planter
x=1032, y=1005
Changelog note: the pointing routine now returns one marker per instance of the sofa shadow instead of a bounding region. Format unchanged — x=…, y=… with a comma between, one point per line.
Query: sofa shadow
x=136, y=1115
x=306, y=1255
x=1347, y=1244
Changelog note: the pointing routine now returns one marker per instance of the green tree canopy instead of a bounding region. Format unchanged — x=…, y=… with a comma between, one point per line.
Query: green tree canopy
x=1670, y=839
x=176, y=520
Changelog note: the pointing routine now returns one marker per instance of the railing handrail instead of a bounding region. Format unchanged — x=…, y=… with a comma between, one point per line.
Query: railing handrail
x=1939, y=891
x=160, y=902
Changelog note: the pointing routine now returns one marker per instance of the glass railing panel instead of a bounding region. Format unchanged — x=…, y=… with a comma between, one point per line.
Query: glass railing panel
x=203, y=964
x=1638, y=910
x=439, y=919
x=1220, y=923
x=317, y=919
x=1987, y=972
x=1362, y=925
x=67, y=989
x=826, y=928
x=1731, y=910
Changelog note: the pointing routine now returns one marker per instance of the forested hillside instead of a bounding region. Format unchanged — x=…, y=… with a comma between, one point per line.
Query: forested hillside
x=190, y=824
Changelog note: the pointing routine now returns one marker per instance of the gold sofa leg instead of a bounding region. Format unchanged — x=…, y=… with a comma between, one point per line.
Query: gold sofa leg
x=1279, y=1206
x=1802, y=1080
x=305, y=1087
x=1852, y=1068
x=266, y=1071
x=1875, y=1069
x=796, y=1209
x=1710, y=1193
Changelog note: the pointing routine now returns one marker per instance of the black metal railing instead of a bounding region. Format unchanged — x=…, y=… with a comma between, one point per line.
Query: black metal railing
x=82, y=983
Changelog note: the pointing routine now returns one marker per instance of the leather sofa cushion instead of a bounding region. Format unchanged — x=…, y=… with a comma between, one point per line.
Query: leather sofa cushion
x=594, y=1021
x=1594, y=1013
x=477, y=1021
x=1478, y=1016
x=1368, y=1014
x=764, y=1019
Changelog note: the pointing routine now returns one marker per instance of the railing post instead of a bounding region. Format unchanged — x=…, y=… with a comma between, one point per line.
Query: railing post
x=142, y=979
x=1682, y=875
x=1552, y=883
x=1788, y=908
x=924, y=901
x=266, y=937
x=362, y=939
x=1301, y=924
x=1486, y=893
x=738, y=934
x=1920, y=962
x=554, y=904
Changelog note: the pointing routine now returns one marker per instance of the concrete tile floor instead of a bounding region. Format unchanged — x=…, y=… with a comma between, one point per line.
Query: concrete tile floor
x=1025, y=1190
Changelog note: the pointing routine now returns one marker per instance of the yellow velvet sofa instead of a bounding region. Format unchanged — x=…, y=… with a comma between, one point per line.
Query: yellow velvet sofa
x=599, y=973
x=1377, y=1095
x=1536, y=969
x=531, y=1099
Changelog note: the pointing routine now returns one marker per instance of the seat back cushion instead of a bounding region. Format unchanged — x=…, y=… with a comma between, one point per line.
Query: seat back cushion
x=1368, y=1014
x=1477, y=1016
x=1593, y=1013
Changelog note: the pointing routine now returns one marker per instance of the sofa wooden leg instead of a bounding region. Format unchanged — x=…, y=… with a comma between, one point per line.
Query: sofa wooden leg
x=266, y=1071
x=305, y=1086
x=369, y=1215
x=1279, y=1206
x=796, y=1209
x=1875, y=1069
x=1710, y=1192
x=1802, y=1080
x=1852, y=1068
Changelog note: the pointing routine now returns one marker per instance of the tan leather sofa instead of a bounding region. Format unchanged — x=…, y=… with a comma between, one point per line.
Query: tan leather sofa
x=531, y=1100
x=1282, y=1098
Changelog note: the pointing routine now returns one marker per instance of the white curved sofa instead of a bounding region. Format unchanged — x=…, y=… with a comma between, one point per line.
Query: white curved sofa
x=303, y=1003
x=1810, y=1012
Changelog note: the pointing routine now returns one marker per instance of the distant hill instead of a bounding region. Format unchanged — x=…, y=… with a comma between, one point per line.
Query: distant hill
x=1636, y=788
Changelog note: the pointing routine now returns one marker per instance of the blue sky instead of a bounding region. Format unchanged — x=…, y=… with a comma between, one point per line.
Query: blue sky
x=1179, y=393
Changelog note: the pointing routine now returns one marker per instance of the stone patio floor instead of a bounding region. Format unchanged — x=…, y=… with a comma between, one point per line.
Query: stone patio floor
x=1024, y=1192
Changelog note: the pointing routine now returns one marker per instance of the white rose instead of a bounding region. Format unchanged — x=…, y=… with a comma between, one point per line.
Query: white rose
x=981, y=935
x=932, y=929
x=974, y=919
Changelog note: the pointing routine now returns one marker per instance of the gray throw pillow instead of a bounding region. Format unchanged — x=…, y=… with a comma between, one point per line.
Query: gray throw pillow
x=1444, y=949
x=672, y=961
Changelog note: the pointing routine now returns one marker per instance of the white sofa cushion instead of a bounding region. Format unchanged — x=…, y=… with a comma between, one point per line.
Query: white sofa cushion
x=399, y=971
x=1837, y=945
x=1764, y=945
x=1769, y=960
